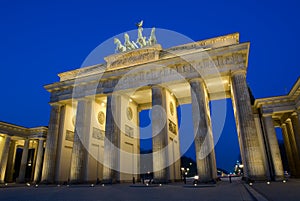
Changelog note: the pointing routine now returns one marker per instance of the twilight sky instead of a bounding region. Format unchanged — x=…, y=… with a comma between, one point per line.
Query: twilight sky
x=39, y=39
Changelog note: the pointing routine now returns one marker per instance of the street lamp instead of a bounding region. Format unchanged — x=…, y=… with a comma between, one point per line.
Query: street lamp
x=184, y=173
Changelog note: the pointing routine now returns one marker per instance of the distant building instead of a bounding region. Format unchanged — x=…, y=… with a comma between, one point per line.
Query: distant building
x=21, y=152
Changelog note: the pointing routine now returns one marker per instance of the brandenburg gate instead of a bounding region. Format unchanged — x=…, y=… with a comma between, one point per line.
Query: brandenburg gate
x=94, y=130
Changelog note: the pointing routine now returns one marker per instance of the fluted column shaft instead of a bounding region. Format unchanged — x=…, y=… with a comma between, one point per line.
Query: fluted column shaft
x=112, y=140
x=39, y=162
x=204, y=145
x=254, y=167
x=288, y=150
x=159, y=135
x=10, y=162
x=23, y=166
x=296, y=130
x=51, y=144
x=294, y=147
x=3, y=158
x=78, y=171
x=272, y=143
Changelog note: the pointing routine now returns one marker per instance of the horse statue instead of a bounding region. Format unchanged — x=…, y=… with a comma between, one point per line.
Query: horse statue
x=129, y=45
x=152, y=39
x=120, y=47
x=141, y=40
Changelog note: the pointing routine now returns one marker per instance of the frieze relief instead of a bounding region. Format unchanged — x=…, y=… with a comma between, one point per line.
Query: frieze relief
x=186, y=70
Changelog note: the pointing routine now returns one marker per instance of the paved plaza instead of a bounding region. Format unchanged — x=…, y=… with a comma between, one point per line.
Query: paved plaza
x=122, y=192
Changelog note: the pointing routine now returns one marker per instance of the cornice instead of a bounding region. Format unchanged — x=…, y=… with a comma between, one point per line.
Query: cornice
x=15, y=130
x=234, y=55
x=291, y=97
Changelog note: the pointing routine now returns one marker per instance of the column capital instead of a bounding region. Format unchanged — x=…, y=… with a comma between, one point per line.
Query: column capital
x=238, y=72
x=156, y=86
x=288, y=120
x=56, y=104
x=85, y=98
x=199, y=79
x=6, y=135
x=267, y=115
x=267, y=112
x=294, y=114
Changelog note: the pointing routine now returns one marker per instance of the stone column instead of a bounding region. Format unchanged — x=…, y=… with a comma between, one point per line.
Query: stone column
x=159, y=134
x=23, y=166
x=39, y=162
x=10, y=162
x=295, y=151
x=78, y=171
x=254, y=167
x=51, y=144
x=263, y=146
x=288, y=150
x=3, y=159
x=296, y=130
x=112, y=140
x=204, y=145
x=273, y=148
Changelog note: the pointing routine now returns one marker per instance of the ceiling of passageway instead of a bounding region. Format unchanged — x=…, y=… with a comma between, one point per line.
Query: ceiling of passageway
x=218, y=88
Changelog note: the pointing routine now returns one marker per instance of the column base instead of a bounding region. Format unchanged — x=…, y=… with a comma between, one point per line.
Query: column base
x=255, y=178
x=20, y=181
x=110, y=181
x=210, y=181
x=76, y=182
x=161, y=181
x=279, y=178
x=47, y=182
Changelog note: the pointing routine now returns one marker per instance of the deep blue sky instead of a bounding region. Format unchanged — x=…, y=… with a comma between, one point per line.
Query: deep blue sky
x=39, y=39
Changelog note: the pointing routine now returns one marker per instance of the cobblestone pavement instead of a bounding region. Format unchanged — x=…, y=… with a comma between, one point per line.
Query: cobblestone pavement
x=123, y=192
x=279, y=191
x=224, y=191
